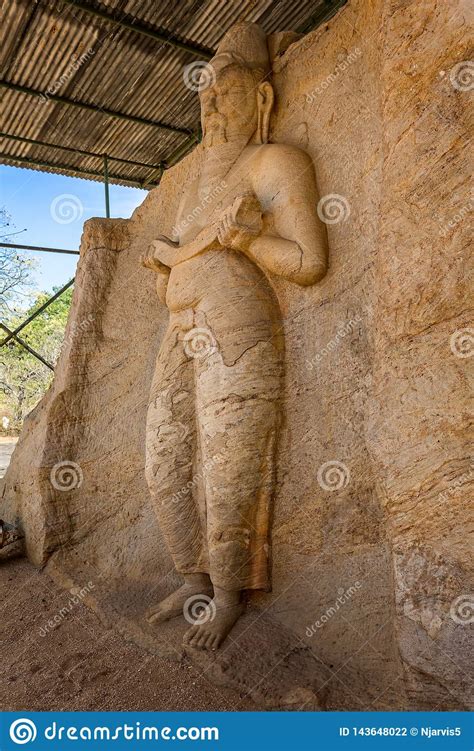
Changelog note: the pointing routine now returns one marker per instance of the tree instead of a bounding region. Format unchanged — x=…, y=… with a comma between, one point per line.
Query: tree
x=23, y=378
x=15, y=269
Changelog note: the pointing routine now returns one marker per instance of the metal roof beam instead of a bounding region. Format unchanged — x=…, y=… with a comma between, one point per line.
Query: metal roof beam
x=54, y=167
x=92, y=107
x=94, y=154
x=174, y=157
x=26, y=346
x=139, y=28
x=182, y=150
x=328, y=9
x=39, y=247
x=13, y=334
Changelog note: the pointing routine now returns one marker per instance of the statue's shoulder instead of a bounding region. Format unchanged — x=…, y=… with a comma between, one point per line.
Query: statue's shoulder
x=275, y=157
x=285, y=149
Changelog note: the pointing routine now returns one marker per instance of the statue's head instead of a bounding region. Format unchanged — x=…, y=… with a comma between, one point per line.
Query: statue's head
x=237, y=103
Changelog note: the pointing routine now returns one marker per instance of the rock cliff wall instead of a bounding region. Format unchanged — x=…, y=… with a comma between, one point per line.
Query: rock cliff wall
x=370, y=551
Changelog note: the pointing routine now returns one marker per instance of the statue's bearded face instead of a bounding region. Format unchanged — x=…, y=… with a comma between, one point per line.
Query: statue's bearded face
x=229, y=116
x=229, y=107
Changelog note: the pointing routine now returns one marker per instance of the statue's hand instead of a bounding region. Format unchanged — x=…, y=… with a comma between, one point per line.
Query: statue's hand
x=152, y=263
x=240, y=224
x=159, y=255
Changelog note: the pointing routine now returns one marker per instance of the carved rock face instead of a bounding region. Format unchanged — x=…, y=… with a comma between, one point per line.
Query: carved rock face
x=372, y=489
x=229, y=107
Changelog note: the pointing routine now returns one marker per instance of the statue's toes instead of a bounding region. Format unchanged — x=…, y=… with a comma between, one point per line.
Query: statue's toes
x=208, y=641
x=201, y=641
x=190, y=634
x=154, y=617
x=152, y=611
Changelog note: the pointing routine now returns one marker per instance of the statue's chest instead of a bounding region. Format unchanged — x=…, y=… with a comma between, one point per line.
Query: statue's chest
x=196, y=212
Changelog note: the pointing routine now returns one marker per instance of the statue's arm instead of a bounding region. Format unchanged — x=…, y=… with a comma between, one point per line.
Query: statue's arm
x=295, y=247
x=162, y=285
x=162, y=274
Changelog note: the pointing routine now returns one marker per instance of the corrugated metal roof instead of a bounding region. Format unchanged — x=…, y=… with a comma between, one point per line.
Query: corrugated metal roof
x=56, y=48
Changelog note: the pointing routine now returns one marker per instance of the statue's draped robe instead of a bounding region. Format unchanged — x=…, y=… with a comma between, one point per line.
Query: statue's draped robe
x=213, y=420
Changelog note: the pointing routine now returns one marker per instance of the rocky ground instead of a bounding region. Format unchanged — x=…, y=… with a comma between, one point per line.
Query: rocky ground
x=78, y=664
x=7, y=446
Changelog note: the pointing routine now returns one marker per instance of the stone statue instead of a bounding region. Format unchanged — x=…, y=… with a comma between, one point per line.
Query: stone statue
x=215, y=402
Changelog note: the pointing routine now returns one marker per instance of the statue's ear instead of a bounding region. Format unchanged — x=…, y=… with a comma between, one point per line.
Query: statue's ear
x=265, y=99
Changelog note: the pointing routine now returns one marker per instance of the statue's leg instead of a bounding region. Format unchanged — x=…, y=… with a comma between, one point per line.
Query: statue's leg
x=238, y=417
x=170, y=448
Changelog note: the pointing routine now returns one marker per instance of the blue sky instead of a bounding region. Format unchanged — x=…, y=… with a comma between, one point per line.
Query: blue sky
x=53, y=209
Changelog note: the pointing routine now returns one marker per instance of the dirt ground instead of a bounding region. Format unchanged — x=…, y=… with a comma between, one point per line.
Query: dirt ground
x=81, y=665
x=7, y=446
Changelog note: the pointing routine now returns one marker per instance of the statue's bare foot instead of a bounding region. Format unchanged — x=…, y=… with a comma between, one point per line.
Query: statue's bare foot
x=212, y=627
x=194, y=587
x=12, y=540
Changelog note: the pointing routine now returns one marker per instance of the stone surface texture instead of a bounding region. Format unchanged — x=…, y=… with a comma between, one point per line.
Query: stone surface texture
x=215, y=408
x=369, y=605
